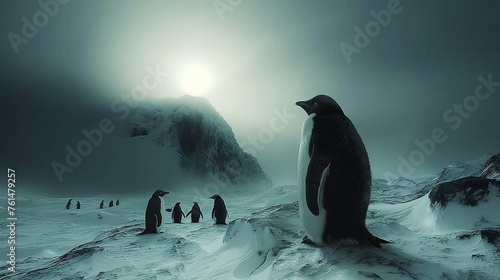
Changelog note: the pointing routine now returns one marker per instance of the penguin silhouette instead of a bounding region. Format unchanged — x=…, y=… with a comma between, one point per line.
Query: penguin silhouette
x=195, y=213
x=177, y=213
x=219, y=212
x=68, y=204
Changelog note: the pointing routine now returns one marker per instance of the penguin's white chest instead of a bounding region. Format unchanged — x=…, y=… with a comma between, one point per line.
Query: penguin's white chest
x=314, y=225
x=162, y=208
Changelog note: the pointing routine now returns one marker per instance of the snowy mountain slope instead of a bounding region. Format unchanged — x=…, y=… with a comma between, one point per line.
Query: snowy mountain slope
x=460, y=170
x=203, y=140
x=430, y=239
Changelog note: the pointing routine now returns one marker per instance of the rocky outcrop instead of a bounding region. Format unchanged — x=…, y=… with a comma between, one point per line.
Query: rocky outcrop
x=204, y=141
x=467, y=191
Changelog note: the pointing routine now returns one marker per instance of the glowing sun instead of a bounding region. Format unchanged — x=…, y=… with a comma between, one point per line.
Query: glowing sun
x=197, y=80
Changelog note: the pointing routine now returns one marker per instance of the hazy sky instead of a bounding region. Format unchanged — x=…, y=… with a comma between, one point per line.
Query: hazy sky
x=398, y=84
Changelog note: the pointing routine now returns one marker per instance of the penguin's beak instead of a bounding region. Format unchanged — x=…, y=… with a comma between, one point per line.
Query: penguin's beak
x=212, y=197
x=301, y=104
x=304, y=105
x=165, y=193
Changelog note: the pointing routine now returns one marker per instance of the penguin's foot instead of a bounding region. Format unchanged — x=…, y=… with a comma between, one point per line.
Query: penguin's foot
x=308, y=241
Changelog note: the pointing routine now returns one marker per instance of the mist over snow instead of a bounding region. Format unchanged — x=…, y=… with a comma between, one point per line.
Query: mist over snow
x=170, y=143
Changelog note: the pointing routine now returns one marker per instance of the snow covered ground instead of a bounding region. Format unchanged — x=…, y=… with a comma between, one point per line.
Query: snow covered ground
x=262, y=240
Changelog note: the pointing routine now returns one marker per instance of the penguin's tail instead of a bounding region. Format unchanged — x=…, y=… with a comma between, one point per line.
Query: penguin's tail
x=143, y=232
x=371, y=240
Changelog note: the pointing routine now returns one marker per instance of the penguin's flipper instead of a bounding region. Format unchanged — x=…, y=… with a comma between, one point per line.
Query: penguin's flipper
x=187, y=215
x=158, y=219
x=315, y=173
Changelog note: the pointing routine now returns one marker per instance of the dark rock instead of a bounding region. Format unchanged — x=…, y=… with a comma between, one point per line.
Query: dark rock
x=491, y=235
x=369, y=275
x=467, y=191
x=138, y=131
x=492, y=167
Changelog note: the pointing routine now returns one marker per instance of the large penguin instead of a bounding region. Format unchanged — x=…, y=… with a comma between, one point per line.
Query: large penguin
x=195, y=213
x=334, y=176
x=153, y=216
x=177, y=213
x=219, y=212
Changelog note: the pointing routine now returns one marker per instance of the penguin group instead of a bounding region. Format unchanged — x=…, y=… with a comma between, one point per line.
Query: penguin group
x=154, y=216
x=101, y=206
x=68, y=204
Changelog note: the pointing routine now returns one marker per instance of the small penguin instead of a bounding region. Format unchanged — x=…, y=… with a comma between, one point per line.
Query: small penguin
x=195, y=213
x=219, y=212
x=153, y=216
x=117, y=202
x=177, y=213
x=78, y=205
x=334, y=176
x=111, y=203
x=68, y=204
x=101, y=205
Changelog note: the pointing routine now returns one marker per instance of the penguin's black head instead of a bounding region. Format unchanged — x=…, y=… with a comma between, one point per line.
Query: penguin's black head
x=320, y=105
x=160, y=193
x=215, y=196
x=195, y=203
x=178, y=204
